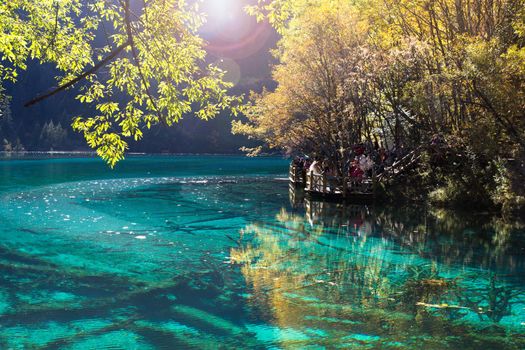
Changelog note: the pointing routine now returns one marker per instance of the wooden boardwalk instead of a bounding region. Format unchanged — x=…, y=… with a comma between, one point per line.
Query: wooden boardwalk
x=334, y=188
x=331, y=188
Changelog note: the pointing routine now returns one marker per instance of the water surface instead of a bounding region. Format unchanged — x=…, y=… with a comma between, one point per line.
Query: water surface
x=207, y=252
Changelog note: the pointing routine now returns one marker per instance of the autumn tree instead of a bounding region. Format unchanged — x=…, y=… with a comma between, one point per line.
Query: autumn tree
x=445, y=77
x=318, y=107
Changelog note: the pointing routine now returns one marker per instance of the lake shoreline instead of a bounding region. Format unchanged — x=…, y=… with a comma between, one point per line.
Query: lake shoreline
x=400, y=193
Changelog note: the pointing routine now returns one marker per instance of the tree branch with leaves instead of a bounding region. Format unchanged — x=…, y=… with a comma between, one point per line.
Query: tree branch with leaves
x=152, y=68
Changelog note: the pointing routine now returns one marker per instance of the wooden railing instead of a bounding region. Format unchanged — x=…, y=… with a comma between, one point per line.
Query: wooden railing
x=316, y=183
x=296, y=174
x=364, y=186
x=322, y=184
x=400, y=165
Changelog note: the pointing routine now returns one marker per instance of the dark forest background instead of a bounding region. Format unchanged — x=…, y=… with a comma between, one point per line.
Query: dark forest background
x=46, y=126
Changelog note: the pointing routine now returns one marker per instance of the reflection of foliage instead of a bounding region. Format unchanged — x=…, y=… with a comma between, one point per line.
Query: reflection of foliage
x=291, y=257
x=504, y=231
x=452, y=236
x=307, y=276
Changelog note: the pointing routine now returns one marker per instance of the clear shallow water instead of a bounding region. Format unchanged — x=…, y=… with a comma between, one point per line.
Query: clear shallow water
x=216, y=252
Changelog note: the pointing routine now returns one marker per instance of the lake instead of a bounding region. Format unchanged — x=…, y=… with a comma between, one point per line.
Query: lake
x=217, y=252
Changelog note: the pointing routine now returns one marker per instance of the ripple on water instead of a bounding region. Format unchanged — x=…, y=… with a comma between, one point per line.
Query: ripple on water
x=167, y=263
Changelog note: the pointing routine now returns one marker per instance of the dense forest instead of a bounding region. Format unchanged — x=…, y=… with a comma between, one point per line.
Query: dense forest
x=442, y=78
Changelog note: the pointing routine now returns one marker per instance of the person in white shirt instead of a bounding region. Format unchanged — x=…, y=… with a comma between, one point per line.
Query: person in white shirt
x=315, y=168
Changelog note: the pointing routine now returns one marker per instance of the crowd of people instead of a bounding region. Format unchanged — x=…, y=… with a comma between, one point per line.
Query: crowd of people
x=365, y=160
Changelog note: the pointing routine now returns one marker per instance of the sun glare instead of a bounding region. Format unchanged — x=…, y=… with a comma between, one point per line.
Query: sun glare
x=230, y=32
x=221, y=11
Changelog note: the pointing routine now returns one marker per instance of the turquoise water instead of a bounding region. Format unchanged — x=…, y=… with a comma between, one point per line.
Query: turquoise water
x=216, y=252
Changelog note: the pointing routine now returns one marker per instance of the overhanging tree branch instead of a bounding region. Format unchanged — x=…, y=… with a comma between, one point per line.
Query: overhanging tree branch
x=90, y=71
x=135, y=55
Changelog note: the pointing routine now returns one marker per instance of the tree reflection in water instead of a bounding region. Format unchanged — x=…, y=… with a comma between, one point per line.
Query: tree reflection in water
x=362, y=275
